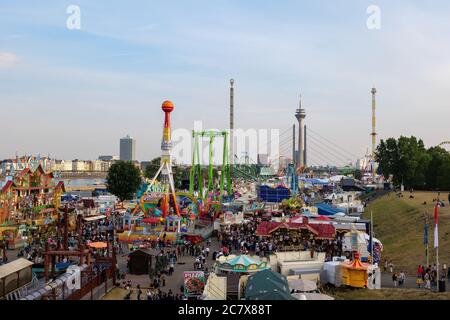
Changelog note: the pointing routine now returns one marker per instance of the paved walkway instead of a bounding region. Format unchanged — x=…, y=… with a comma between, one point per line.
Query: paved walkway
x=186, y=263
x=174, y=282
x=410, y=283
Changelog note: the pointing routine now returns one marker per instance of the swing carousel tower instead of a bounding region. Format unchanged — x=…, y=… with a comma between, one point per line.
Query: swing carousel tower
x=165, y=169
x=166, y=145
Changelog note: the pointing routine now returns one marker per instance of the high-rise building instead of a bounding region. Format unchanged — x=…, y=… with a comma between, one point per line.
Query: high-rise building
x=127, y=149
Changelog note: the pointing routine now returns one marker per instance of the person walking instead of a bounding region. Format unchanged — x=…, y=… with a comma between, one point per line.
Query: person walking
x=385, y=265
x=419, y=271
x=427, y=281
x=444, y=269
x=139, y=292
x=394, y=280
x=401, y=278
x=391, y=266
x=448, y=274
x=419, y=281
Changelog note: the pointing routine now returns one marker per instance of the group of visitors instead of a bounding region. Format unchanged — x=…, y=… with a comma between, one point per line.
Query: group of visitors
x=151, y=294
x=427, y=276
x=241, y=239
x=398, y=279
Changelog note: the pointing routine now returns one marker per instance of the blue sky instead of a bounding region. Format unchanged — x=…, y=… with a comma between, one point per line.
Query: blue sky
x=75, y=93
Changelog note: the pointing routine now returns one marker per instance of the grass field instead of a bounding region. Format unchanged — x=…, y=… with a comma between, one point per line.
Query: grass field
x=386, y=294
x=399, y=224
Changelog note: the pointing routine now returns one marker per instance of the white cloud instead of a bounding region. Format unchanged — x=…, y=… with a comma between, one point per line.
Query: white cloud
x=8, y=59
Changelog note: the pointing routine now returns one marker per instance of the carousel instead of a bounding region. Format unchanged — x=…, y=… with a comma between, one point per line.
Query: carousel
x=241, y=264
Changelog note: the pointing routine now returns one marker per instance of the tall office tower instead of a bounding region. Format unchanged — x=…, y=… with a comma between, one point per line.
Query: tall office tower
x=127, y=149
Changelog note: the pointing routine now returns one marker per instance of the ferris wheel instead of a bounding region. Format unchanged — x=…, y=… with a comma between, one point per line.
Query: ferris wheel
x=445, y=144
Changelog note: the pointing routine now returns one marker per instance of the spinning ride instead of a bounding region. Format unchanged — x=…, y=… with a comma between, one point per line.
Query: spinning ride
x=166, y=183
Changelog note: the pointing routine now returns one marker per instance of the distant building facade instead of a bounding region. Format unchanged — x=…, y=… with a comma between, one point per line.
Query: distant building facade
x=108, y=158
x=80, y=165
x=9, y=167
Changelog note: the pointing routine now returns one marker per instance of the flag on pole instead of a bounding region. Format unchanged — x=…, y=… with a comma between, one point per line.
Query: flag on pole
x=370, y=244
x=425, y=235
x=436, y=215
x=369, y=247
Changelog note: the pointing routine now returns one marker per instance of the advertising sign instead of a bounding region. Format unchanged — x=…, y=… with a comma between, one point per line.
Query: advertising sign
x=194, y=283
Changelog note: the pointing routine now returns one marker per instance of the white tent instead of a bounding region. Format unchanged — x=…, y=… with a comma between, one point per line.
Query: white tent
x=374, y=277
x=363, y=242
x=312, y=296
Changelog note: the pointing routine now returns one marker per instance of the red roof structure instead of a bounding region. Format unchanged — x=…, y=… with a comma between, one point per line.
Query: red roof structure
x=321, y=231
x=24, y=172
x=322, y=218
x=60, y=186
x=8, y=185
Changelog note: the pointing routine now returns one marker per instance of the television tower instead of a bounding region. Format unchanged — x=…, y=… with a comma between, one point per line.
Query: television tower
x=301, y=115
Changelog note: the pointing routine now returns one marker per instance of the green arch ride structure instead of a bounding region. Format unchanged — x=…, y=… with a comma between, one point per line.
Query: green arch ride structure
x=196, y=168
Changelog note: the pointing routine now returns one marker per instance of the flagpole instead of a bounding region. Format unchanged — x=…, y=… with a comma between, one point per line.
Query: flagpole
x=428, y=260
x=437, y=257
x=371, y=235
x=437, y=269
x=436, y=243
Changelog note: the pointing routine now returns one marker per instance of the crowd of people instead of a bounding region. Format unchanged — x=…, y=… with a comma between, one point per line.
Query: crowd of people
x=151, y=294
x=241, y=239
x=426, y=277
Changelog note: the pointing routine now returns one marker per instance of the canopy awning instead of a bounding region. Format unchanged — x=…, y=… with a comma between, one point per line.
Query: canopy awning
x=94, y=218
x=98, y=245
x=14, y=266
x=48, y=210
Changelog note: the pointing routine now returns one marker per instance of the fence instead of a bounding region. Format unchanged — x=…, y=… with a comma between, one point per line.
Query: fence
x=94, y=284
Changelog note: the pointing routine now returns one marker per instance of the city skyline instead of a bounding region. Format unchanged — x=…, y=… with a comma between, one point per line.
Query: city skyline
x=82, y=90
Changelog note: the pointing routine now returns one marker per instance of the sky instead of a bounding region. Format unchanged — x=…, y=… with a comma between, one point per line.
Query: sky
x=73, y=93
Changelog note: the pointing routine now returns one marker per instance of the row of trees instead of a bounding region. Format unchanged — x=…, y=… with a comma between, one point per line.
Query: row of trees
x=413, y=165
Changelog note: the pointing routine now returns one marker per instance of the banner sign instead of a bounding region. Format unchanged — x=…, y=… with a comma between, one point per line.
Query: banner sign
x=194, y=283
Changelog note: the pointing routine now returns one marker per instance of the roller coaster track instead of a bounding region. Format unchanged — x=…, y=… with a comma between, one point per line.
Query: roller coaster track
x=237, y=172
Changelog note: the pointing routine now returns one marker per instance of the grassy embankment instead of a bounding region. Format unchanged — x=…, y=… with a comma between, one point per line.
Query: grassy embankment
x=399, y=224
x=387, y=294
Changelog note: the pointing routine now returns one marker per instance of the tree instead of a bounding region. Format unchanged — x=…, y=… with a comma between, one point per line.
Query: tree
x=123, y=180
x=178, y=173
x=387, y=157
x=436, y=168
x=357, y=174
x=151, y=169
x=414, y=166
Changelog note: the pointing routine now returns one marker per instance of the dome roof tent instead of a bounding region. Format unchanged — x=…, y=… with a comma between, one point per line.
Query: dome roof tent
x=241, y=263
x=267, y=285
